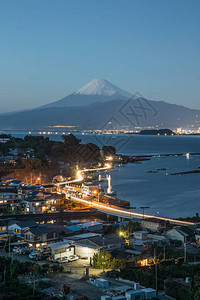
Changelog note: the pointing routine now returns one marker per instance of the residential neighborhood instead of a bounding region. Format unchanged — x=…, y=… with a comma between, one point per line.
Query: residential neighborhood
x=77, y=227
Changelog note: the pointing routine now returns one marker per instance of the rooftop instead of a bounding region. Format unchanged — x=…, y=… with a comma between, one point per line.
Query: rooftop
x=24, y=224
x=73, y=228
x=58, y=245
x=88, y=224
x=84, y=236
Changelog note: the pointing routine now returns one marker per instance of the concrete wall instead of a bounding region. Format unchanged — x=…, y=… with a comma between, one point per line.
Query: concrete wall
x=85, y=251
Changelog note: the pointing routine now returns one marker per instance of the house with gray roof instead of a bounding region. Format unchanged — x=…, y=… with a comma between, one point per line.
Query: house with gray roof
x=181, y=233
x=87, y=244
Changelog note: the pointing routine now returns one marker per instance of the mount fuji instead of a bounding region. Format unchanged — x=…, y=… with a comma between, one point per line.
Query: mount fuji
x=97, y=90
x=100, y=104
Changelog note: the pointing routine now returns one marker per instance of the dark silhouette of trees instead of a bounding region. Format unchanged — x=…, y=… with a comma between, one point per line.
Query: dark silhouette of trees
x=109, y=150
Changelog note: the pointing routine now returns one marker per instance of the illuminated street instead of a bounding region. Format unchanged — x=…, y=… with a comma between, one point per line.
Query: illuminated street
x=124, y=213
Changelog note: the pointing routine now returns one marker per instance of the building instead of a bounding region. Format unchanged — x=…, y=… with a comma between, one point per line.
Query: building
x=134, y=294
x=26, y=153
x=87, y=244
x=140, y=245
x=6, y=199
x=4, y=138
x=40, y=235
x=7, y=160
x=55, y=199
x=7, y=180
x=74, y=228
x=61, y=249
x=16, y=184
x=18, y=228
x=160, y=240
x=3, y=230
x=181, y=233
x=140, y=235
x=35, y=205
x=153, y=224
x=51, y=188
x=91, y=226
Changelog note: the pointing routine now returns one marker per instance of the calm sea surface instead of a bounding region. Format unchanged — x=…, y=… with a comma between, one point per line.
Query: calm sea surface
x=165, y=194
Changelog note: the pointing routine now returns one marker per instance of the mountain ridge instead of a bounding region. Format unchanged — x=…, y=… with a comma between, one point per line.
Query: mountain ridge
x=98, y=116
x=99, y=104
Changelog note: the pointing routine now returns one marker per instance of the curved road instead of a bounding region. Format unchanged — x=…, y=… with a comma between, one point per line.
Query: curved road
x=121, y=212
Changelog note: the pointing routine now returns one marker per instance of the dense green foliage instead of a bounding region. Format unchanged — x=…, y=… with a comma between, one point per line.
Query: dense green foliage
x=47, y=157
x=70, y=150
x=109, y=150
x=124, y=230
x=108, y=260
x=166, y=273
x=12, y=285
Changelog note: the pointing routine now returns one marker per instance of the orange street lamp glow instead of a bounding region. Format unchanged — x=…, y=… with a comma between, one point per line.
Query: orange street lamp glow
x=109, y=158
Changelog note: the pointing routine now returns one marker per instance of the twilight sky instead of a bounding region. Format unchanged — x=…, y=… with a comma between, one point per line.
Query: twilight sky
x=50, y=48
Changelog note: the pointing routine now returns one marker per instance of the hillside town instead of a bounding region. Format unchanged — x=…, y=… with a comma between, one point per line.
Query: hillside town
x=86, y=243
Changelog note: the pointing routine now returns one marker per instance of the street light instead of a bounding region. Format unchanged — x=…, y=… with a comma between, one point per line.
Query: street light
x=143, y=208
x=156, y=269
x=96, y=192
x=103, y=255
x=132, y=207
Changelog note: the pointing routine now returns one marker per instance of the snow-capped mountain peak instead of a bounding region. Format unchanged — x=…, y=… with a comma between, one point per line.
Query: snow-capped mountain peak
x=102, y=87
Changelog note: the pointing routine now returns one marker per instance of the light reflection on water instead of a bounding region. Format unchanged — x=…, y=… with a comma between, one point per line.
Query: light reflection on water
x=169, y=195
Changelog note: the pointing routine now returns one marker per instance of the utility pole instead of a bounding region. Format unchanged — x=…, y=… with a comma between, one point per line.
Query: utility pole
x=133, y=207
x=195, y=258
x=11, y=271
x=4, y=277
x=156, y=271
x=185, y=250
x=33, y=287
x=143, y=208
x=9, y=242
x=103, y=256
x=164, y=256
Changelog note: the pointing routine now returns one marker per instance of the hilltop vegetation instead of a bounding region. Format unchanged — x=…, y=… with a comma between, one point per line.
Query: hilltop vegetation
x=47, y=155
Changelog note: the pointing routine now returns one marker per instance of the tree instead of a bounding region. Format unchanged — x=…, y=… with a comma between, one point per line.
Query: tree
x=70, y=140
x=110, y=262
x=109, y=150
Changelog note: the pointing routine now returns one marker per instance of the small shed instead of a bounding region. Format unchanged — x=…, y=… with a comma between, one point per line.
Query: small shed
x=61, y=249
x=103, y=283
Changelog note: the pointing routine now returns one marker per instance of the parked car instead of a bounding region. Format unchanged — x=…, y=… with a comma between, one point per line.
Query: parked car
x=19, y=251
x=15, y=249
x=73, y=257
x=34, y=255
x=26, y=250
x=61, y=260
x=195, y=245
